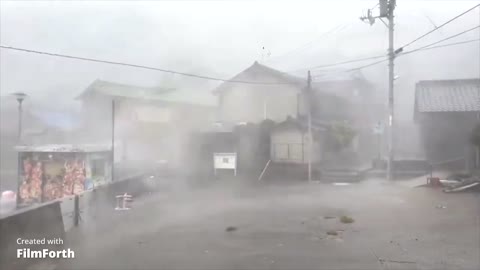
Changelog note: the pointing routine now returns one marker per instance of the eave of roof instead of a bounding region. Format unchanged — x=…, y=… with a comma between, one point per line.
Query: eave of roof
x=122, y=90
x=169, y=95
x=461, y=95
x=64, y=148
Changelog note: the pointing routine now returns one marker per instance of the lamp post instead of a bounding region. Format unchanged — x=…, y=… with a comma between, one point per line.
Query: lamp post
x=20, y=98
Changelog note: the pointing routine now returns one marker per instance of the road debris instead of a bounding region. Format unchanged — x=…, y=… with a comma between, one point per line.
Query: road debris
x=441, y=206
x=346, y=219
x=231, y=229
x=341, y=184
x=332, y=233
x=449, y=183
x=124, y=202
x=329, y=217
x=460, y=182
x=395, y=261
x=461, y=187
x=383, y=262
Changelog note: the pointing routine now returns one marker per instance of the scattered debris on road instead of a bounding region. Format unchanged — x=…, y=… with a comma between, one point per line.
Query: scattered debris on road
x=341, y=184
x=329, y=217
x=384, y=261
x=395, y=261
x=346, y=219
x=449, y=183
x=124, y=202
x=463, y=186
x=459, y=182
x=231, y=229
x=440, y=206
x=332, y=233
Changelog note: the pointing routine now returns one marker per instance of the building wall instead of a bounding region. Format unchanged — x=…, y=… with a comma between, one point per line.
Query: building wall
x=255, y=103
x=145, y=130
x=291, y=146
x=445, y=136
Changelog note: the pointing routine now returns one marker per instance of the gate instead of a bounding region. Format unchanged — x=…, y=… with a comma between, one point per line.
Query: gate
x=288, y=152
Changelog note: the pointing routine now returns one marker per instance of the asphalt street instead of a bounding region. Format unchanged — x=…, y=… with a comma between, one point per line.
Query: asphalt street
x=255, y=226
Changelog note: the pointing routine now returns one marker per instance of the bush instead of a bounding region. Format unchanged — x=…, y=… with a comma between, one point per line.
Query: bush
x=339, y=136
x=345, y=219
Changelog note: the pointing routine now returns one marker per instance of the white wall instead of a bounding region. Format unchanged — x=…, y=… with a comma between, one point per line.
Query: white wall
x=291, y=145
x=245, y=102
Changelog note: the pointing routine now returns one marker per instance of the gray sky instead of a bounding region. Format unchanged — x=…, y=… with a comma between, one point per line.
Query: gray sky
x=220, y=38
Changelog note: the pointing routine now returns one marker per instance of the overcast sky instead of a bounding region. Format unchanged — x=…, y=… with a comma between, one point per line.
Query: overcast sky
x=221, y=38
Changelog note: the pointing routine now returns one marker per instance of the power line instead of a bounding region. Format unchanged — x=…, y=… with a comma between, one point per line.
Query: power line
x=441, y=46
x=341, y=63
x=381, y=56
x=138, y=66
x=424, y=48
x=440, y=26
x=429, y=46
x=445, y=39
x=290, y=52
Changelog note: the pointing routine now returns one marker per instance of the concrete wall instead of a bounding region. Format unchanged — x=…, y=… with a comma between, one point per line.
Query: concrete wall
x=42, y=221
x=56, y=219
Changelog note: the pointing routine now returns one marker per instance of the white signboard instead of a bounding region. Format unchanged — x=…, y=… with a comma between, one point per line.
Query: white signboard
x=225, y=161
x=378, y=129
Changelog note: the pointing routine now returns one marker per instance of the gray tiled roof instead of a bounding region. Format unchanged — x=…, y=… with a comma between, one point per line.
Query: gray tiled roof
x=112, y=89
x=258, y=73
x=448, y=95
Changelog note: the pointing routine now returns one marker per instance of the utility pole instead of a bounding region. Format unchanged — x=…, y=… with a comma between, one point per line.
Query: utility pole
x=387, y=8
x=113, y=139
x=391, y=59
x=310, y=137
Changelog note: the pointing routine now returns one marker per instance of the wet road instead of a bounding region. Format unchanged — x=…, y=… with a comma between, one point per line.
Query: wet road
x=285, y=227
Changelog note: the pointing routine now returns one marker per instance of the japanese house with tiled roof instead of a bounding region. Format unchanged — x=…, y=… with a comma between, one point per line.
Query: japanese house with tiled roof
x=447, y=111
x=278, y=96
x=150, y=122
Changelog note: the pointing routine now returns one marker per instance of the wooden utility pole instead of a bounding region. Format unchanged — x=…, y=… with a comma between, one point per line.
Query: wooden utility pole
x=310, y=137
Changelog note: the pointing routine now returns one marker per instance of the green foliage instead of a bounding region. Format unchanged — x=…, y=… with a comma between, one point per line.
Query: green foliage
x=339, y=136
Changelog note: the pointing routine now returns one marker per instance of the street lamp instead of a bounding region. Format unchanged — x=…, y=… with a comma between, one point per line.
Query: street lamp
x=20, y=98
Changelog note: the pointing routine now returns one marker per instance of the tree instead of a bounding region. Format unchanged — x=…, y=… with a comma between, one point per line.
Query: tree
x=339, y=136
